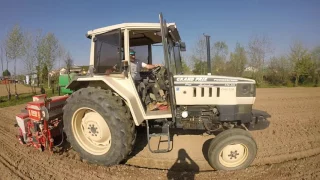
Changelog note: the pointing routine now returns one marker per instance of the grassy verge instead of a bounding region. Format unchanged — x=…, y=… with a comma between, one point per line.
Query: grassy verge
x=23, y=98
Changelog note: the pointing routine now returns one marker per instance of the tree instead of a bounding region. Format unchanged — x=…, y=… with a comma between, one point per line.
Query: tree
x=301, y=60
x=8, y=87
x=68, y=62
x=238, y=61
x=62, y=53
x=30, y=56
x=6, y=73
x=279, y=71
x=199, y=57
x=2, y=52
x=38, y=51
x=21, y=77
x=220, y=51
x=45, y=73
x=200, y=67
x=15, y=48
x=316, y=61
x=50, y=50
x=185, y=64
x=185, y=68
x=258, y=49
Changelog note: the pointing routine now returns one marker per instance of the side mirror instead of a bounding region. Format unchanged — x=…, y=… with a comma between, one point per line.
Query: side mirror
x=182, y=46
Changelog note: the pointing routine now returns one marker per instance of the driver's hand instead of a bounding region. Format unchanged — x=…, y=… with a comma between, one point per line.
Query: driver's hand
x=158, y=65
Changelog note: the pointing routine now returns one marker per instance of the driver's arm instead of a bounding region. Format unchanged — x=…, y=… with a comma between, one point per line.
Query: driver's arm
x=150, y=66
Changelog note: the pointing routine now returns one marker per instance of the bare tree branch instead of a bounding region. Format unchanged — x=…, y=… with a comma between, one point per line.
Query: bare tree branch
x=15, y=48
x=30, y=56
x=259, y=47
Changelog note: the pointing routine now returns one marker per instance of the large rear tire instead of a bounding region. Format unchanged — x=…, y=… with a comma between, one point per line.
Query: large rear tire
x=99, y=126
x=232, y=149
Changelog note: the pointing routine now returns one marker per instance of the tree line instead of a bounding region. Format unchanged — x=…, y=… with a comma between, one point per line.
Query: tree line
x=40, y=52
x=36, y=51
x=256, y=60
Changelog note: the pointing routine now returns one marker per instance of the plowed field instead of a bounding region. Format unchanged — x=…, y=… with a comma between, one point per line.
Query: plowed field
x=288, y=149
x=20, y=88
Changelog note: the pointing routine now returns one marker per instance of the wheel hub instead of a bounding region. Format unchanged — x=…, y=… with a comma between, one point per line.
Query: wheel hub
x=92, y=125
x=91, y=131
x=233, y=155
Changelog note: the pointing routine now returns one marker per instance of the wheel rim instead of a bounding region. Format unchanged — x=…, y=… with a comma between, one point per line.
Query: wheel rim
x=233, y=155
x=91, y=131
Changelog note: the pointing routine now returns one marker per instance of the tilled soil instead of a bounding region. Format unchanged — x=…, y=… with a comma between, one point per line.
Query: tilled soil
x=20, y=88
x=288, y=149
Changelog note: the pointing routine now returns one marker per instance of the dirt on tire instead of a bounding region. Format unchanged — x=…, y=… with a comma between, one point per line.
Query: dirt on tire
x=288, y=149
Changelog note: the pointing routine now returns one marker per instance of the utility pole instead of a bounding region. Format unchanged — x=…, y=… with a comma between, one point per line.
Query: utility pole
x=1, y=57
x=208, y=53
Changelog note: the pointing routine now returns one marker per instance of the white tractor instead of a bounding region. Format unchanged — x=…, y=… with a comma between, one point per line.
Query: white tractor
x=101, y=115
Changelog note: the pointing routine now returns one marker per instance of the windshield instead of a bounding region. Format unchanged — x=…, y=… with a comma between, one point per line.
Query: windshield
x=174, y=57
x=177, y=59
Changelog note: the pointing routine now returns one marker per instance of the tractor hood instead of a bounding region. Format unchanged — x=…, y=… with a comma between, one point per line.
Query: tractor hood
x=211, y=79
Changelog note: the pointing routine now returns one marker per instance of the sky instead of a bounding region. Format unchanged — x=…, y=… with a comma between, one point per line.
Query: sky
x=232, y=21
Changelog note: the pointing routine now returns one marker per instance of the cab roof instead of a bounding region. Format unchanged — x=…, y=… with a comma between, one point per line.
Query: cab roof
x=136, y=26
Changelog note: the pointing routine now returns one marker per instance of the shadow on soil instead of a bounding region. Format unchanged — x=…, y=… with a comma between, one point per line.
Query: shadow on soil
x=205, y=148
x=183, y=168
x=142, y=140
x=62, y=145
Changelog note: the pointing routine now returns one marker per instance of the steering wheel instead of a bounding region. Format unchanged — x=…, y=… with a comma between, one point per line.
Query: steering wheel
x=156, y=70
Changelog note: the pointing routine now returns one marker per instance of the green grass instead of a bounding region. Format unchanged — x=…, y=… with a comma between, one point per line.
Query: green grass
x=23, y=98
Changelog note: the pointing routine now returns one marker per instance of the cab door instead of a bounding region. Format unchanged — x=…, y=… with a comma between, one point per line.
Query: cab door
x=167, y=58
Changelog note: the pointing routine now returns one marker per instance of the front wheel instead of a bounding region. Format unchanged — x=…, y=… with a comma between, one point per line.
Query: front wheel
x=232, y=149
x=99, y=126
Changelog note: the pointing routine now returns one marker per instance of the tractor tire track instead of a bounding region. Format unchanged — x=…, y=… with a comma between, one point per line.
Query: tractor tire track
x=16, y=174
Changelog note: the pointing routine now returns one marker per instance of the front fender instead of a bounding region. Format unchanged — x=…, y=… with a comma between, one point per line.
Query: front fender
x=259, y=120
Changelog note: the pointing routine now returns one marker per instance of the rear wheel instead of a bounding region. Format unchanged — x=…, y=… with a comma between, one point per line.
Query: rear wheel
x=99, y=126
x=231, y=150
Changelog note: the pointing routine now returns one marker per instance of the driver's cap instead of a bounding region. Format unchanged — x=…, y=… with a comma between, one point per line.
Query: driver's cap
x=132, y=52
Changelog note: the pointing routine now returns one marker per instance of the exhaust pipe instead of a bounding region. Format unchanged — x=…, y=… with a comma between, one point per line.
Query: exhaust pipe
x=208, y=53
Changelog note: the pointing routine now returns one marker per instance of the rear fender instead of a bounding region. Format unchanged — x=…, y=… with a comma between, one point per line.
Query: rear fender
x=124, y=87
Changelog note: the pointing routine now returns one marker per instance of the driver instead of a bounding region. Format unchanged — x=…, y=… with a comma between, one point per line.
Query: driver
x=135, y=68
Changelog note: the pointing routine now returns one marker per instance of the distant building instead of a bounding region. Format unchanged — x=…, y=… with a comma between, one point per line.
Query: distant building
x=7, y=80
x=250, y=69
x=75, y=69
x=31, y=79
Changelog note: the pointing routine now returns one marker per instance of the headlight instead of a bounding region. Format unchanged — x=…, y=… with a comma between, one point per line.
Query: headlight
x=246, y=90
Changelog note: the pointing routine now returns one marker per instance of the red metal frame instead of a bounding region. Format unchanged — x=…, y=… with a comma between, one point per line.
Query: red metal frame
x=43, y=138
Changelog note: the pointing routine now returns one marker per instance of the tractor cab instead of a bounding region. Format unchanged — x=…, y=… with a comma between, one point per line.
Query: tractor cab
x=152, y=44
x=111, y=45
